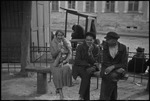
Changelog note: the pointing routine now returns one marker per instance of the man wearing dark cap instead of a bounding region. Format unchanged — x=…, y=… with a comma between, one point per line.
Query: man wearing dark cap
x=114, y=58
x=137, y=63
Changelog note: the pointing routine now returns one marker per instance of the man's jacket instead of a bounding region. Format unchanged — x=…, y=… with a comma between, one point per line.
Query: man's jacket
x=119, y=61
x=82, y=59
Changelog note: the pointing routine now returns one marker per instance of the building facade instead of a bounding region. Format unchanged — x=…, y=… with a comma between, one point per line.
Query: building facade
x=118, y=15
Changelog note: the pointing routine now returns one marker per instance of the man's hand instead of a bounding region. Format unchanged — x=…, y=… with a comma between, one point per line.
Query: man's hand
x=90, y=50
x=97, y=73
x=109, y=69
x=90, y=70
x=96, y=64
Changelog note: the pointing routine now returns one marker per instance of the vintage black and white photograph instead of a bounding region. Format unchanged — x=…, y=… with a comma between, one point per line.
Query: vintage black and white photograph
x=74, y=50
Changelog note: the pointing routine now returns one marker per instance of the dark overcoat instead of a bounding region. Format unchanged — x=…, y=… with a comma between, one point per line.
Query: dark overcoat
x=137, y=64
x=109, y=87
x=120, y=60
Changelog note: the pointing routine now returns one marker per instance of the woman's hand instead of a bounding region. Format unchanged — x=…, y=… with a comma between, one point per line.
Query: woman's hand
x=62, y=50
x=64, y=62
x=60, y=65
x=59, y=55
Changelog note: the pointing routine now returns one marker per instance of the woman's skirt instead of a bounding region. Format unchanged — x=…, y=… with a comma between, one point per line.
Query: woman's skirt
x=62, y=76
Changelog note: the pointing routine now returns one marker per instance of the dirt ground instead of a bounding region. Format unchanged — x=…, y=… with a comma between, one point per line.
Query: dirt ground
x=24, y=88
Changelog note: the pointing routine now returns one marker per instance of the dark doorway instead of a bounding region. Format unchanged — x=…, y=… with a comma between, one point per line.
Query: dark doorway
x=11, y=29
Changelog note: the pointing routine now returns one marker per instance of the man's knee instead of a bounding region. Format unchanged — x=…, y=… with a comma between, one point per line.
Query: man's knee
x=85, y=76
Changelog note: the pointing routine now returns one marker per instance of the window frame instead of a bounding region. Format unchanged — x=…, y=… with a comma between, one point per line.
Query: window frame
x=115, y=7
x=58, y=6
x=132, y=3
x=139, y=8
x=94, y=8
x=110, y=7
x=71, y=4
x=91, y=9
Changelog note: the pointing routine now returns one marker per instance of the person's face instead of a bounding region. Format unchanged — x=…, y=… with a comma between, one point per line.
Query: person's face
x=111, y=42
x=60, y=36
x=140, y=53
x=89, y=40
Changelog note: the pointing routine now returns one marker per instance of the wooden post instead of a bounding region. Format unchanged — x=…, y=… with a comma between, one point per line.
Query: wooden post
x=41, y=83
x=86, y=25
x=50, y=22
x=25, y=36
x=66, y=23
x=78, y=19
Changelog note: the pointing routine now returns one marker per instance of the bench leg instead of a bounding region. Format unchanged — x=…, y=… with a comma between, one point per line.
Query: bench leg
x=97, y=82
x=50, y=77
x=41, y=83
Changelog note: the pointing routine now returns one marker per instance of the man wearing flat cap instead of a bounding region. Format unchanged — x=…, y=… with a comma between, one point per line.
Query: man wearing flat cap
x=114, y=58
x=137, y=63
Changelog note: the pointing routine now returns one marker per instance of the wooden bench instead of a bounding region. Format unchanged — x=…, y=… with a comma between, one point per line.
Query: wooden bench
x=41, y=77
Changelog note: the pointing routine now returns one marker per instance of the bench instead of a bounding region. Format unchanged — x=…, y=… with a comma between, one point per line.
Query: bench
x=41, y=77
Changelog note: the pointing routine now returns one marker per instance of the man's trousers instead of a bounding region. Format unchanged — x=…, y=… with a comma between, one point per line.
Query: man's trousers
x=84, y=90
x=108, y=90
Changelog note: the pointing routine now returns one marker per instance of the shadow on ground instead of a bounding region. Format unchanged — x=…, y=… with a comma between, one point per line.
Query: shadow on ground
x=8, y=76
x=139, y=95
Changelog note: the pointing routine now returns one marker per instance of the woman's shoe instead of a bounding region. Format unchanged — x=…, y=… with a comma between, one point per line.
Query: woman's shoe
x=57, y=91
x=80, y=98
x=61, y=94
x=62, y=97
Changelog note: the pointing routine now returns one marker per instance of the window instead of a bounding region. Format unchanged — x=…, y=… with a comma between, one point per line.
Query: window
x=55, y=6
x=71, y=4
x=133, y=6
x=90, y=6
x=110, y=6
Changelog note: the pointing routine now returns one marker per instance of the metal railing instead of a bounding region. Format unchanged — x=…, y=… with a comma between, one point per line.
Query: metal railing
x=10, y=58
x=41, y=56
x=140, y=75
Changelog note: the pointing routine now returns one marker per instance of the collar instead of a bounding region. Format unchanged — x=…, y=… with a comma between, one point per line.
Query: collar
x=120, y=47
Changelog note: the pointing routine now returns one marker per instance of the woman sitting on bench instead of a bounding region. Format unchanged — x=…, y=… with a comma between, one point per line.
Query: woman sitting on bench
x=61, y=53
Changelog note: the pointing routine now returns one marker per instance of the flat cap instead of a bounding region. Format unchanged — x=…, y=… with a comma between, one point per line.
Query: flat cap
x=140, y=49
x=112, y=35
